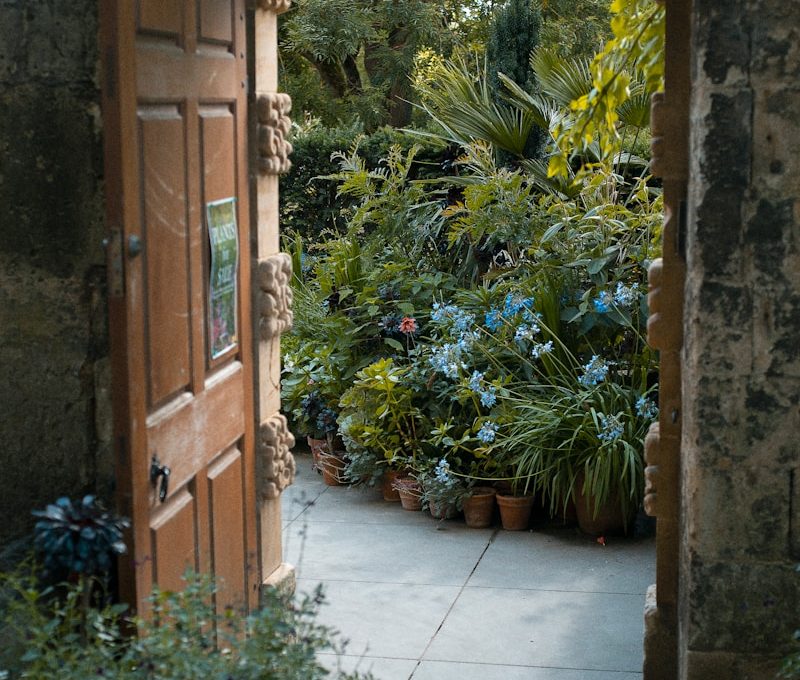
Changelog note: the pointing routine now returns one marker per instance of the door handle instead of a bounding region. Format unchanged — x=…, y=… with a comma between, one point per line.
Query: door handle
x=157, y=470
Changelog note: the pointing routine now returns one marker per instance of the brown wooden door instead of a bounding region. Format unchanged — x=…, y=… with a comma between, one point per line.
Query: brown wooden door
x=174, y=116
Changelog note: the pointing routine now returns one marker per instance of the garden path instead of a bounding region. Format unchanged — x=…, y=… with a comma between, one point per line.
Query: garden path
x=426, y=600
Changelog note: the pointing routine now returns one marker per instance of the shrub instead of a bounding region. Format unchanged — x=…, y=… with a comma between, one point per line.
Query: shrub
x=185, y=637
x=310, y=204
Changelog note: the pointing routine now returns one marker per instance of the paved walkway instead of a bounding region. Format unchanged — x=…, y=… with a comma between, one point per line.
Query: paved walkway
x=434, y=600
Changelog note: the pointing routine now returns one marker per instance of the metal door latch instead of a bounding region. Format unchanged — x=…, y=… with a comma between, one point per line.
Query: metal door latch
x=158, y=470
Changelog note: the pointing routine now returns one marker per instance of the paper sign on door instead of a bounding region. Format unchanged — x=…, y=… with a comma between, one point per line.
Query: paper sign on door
x=222, y=234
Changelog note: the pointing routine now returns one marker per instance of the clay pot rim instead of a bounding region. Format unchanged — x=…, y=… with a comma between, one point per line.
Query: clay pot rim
x=482, y=491
x=529, y=496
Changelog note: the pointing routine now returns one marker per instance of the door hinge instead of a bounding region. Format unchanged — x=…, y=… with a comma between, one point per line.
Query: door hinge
x=116, y=266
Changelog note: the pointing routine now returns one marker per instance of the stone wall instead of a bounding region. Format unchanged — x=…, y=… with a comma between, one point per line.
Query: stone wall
x=741, y=424
x=54, y=417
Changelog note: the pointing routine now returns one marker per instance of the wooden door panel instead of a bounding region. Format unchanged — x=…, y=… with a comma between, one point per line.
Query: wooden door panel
x=218, y=144
x=161, y=16
x=226, y=519
x=177, y=141
x=216, y=21
x=179, y=433
x=173, y=535
x=164, y=230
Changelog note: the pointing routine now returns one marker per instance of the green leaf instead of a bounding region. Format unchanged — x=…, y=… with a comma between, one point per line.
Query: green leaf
x=394, y=344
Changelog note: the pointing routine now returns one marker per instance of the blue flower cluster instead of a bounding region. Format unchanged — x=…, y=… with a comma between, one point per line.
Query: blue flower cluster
x=612, y=428
x=326, y=420
x=646, y=408
x=594, y=372
x=488, y=393
x=540, y=349
x=442, y=473
x=602, y=303
x=447, y=359
x=452, y=317
x=493, y=320
x=626, y=296
x=512, y=307
x=526, y=332
x=487, y=432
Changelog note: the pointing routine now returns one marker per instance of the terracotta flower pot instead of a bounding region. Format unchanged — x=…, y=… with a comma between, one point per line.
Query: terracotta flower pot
x=389, y=492
x=515, y=511
x=478, y=508
x=410, y=493
x=443, y=510
x=318, y=447
x=332, y=467
x=610, y=519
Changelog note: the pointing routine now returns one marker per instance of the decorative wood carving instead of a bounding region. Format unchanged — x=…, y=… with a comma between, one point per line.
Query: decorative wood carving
x=275, y=467
x=273, y=128
x=657, y=140
x=277, y=6
x=652, y=445
x=664, y=324
x=275, y=299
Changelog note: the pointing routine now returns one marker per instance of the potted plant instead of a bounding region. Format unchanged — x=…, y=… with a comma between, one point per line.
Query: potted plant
x=582, y=439
x=442, y=492
x=382, y=418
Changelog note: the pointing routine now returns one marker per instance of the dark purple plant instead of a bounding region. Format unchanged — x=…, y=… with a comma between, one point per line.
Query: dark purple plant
x=78, y=538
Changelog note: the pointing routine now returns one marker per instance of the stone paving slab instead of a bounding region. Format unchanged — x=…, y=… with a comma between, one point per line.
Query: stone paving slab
x=577, y=630
x=398, y=553
x=427, y=600
x=526, y=560
x=447, y=670
x=384, y=619
x=381, y=668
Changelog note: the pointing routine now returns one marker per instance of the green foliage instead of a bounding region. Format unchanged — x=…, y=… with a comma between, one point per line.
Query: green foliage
x=310, y=203
x=624, y=74
x=790, y=669
x=363, y=51
x=514, y=33
x=185, y=636
x=574, y=28
x=382, y=414
x=465, y=107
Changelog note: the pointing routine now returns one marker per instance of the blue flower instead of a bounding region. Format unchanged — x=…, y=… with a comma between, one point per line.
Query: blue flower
x=513, y=306
x=602, y=303
x=452, y=317
x=326, y=420
x=594, y=372
x=493, y=319
x=624, y=296
x=442, y=472
x=475, y=381
x=489, y=396
x=463, y=321
x=539, y=349
x=526, y=332
x=646, y=408
x=612, y=428
x=447, y=359
x=487, y=432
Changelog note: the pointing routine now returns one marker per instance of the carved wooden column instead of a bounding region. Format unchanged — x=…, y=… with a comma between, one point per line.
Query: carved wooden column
x=670, y=144
x=270, y=125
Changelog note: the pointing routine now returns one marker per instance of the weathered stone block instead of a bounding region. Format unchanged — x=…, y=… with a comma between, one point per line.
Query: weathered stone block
x=722, y=41
x=731, y=605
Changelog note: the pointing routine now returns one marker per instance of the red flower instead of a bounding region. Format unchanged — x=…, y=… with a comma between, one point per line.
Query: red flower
x=408, y=325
